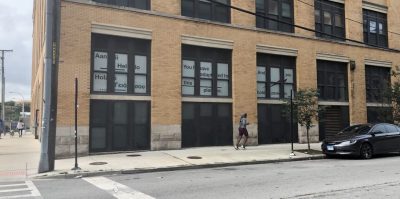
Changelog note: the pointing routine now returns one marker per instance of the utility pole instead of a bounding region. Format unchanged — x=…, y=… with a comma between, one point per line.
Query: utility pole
x=3, y=85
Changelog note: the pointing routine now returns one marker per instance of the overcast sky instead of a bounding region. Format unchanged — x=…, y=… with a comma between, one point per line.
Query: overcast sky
x=16, y=34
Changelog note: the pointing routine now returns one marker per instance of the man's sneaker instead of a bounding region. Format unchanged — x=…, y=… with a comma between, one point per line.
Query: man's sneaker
x=244, y=147
x=236, y=147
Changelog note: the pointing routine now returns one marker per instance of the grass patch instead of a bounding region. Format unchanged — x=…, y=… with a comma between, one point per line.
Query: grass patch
x=311, y=152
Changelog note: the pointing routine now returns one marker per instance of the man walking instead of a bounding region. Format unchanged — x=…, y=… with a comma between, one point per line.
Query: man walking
x=20, y=127
x=242, y=131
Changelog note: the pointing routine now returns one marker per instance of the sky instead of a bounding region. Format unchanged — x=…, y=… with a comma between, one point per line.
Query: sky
x=16, y=34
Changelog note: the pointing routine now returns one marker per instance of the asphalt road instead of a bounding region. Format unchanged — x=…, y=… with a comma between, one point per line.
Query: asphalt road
x=327, y=178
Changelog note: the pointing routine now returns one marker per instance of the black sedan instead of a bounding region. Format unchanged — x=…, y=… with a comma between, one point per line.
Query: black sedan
x=364, y=140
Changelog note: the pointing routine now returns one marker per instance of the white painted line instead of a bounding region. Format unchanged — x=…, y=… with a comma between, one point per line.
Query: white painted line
x=16, y=196
x=14, y=190
x=116, y=189
x=11, y=185
x=34, y=191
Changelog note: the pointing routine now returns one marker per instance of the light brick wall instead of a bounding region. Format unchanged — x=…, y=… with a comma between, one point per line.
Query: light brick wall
x=353, y=11
x=240, y=18
x=166, y=62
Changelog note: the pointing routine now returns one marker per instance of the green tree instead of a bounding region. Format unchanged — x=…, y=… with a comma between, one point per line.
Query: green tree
x=305, y=109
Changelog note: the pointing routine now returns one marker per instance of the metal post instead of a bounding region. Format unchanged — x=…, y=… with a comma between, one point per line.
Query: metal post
x=3, y=86
x=76, y=125
x=291, y=121
x=46, y=162
x=36, y=123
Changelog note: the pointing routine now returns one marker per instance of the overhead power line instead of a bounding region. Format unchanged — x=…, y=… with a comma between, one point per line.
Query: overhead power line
x=297, y=26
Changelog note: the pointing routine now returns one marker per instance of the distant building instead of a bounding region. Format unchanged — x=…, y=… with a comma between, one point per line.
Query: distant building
x=169, y=74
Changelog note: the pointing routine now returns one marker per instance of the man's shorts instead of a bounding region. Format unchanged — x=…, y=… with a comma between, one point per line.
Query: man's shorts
x=243, y=131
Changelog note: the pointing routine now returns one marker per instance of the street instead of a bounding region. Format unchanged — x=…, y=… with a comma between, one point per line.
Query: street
x=326, y=178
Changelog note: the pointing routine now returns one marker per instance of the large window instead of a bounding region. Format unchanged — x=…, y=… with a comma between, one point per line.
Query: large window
x=375, y=28
x=377, y=81
x=281, y=10
x=120, y=65
x=204, y=9
x=329, y=19
x=140, y=4
x=206, y=72
x=332, y=81
x=275, y=76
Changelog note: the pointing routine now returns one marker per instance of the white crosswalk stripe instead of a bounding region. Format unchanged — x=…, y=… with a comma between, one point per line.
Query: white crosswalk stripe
x=24, y=189
x=116, y=189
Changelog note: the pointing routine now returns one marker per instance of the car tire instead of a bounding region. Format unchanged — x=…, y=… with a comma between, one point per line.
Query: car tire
x=366, y=151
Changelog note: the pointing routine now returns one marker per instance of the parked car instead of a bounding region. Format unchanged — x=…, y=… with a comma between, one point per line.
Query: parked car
x=364, y=140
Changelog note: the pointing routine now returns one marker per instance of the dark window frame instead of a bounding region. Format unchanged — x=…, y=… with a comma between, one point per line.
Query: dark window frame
x=195, y=10
x=110, y=46
x=267, y=24
x=334, y=9
x=128, y=3
x=377, y=39
x=200, y=54
x=276, y=61
x=337, y=70
x=377, y=81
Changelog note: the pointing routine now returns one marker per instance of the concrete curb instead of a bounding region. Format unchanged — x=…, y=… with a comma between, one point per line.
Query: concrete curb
x=174, y=168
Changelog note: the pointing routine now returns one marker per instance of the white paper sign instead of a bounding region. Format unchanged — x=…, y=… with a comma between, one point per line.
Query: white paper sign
x=140, y=64
x=140, y=84
x=121, y=83
x=100, y=82
x=205, y=87
x=261, y=72
x=223, y=88
x=222, y=71
x=275, y=77
x=205, y=70
x=261, y=90
x=288, y=75
x=188, y=68
x=121, y=63
x=187, y=86
x=100, y=61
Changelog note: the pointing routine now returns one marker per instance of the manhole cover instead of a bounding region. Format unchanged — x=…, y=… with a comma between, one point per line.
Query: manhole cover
x=98, y=163
x=194, y=157
x=133, y=155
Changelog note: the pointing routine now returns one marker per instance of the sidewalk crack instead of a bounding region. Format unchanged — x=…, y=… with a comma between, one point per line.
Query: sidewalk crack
x=179, y=159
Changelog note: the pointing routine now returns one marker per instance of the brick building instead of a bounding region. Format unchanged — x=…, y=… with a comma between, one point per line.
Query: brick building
x=170, y=74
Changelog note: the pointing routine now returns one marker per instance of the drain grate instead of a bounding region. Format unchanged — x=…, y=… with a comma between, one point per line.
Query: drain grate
x=98, y=163
x=194, y=157
x=133, y=155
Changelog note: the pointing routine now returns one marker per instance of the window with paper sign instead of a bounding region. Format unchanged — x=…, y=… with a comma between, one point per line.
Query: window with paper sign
x=205, y=72
x=120, y=65
x=275, y=76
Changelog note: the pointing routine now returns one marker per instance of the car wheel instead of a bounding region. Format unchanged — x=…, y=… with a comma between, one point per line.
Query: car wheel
x=366, y=151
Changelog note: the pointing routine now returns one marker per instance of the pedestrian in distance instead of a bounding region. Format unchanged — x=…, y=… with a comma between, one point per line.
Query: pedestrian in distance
x=2, y=128
x=20, y=127
x=242, y=131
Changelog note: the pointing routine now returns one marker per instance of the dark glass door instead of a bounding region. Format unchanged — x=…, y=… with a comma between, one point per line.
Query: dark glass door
x=273, y=126
x=206, y=124
x=119, y=126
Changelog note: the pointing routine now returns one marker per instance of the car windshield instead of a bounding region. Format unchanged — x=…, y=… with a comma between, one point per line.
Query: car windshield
x=356, y=129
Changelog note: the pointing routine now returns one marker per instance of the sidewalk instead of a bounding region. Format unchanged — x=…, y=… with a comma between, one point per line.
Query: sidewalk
x=204, y=157
x=19, y=159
